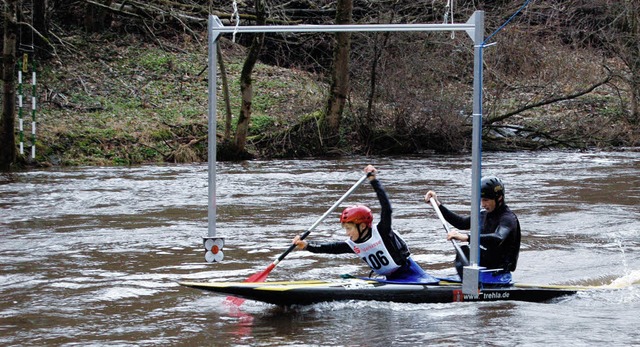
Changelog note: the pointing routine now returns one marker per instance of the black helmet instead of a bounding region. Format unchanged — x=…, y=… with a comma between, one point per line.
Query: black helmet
x=491, y=188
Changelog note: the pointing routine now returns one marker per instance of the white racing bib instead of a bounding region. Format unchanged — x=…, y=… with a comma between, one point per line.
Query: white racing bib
x=375, y=253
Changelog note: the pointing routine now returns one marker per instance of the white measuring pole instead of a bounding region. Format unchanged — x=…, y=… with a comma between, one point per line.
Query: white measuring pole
x=33, y=112
x=20, y=120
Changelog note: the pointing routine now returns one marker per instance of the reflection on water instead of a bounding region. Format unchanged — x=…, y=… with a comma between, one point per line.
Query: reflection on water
x=91, y=256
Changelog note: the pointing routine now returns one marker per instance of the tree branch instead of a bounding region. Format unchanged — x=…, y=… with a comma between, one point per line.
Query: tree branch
x=553, y=100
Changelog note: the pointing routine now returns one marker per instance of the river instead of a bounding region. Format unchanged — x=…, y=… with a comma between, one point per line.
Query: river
x=91, y=256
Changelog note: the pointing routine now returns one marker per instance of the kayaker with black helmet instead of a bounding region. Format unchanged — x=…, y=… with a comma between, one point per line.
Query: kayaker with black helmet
x=499, y=232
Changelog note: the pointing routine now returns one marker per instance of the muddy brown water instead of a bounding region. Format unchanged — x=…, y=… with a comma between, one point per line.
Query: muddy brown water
x=91, y=255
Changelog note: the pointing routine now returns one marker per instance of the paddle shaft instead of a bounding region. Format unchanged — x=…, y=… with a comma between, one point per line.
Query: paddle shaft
x=331, y=209
x=463, y=257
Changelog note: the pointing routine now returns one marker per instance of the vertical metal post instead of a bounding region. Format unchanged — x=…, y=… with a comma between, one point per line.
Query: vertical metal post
x=212, y=244
x=471, y=273
x=212, y=130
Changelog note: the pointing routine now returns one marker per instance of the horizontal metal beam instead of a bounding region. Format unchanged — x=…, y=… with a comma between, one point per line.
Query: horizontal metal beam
x=343, y=28
x=218, y=27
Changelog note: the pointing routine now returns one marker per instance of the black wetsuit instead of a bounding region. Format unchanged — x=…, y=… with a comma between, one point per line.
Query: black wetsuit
x=499, y=237
x=396, y=246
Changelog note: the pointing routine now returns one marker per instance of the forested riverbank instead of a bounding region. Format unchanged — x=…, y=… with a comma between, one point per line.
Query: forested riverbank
x=128, y=89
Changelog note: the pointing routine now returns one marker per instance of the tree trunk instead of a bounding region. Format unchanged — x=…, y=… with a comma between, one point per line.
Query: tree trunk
x=41, y=24
x=339, y=75
x=635, y=96
x=634, y=52
x=378, y=49
x=225, y=93
x=97, y=18
x=246, y=86
x=7, y=123
x=625, y=32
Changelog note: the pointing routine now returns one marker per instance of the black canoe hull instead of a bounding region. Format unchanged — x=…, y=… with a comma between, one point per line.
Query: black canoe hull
x=312, y=292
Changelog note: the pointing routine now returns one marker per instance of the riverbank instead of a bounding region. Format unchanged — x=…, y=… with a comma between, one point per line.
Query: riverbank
x=129, y=101
x=124, y=100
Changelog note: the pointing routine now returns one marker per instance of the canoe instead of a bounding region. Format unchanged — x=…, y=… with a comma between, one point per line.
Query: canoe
x=289, y=293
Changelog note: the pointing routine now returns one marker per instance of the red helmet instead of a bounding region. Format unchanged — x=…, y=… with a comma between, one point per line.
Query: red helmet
x=357, y=214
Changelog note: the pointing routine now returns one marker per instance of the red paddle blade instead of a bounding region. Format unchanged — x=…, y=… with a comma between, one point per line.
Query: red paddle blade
x=261, y=276
x=258, y=277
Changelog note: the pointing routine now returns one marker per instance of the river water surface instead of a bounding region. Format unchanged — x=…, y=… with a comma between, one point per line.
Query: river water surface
x=92, y=255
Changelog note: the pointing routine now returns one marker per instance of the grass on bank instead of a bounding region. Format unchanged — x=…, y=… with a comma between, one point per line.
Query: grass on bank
x=131, y=102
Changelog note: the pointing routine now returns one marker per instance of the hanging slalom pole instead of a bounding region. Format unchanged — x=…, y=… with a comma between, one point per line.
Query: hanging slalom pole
x=20, y=97
x=23, y=68
x=33, y=109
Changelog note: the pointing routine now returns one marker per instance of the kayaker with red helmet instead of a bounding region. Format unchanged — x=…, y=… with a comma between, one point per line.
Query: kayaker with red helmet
x=499, y=232
x=378, y=245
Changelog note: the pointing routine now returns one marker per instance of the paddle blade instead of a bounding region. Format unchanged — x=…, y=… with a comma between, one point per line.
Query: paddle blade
x=261, y=276
x=258, y=277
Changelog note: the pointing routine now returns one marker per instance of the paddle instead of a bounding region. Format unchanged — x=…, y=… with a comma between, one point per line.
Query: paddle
x=463, y=257
x=262, y=276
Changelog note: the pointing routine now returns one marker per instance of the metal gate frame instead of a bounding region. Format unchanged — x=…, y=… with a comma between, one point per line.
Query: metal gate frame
x=474, y=27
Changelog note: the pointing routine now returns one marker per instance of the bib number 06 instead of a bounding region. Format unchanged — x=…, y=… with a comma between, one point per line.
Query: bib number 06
x=377, y=260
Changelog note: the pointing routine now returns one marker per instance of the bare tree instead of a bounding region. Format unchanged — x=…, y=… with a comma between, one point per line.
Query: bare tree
x=7, y=122
x=339, y=74
x=246, y=84
x=614, y=27
x=225, y=93
x=627, y=35
x=41, y=26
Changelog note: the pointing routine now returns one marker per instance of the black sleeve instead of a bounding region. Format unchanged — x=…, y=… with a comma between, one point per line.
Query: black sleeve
x=384, y=225
x=506, y=226
x=394, y=243
x=459, y=222
x=339, y=247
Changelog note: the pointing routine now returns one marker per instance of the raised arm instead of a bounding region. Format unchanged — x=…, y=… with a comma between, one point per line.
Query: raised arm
x=384, y=225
